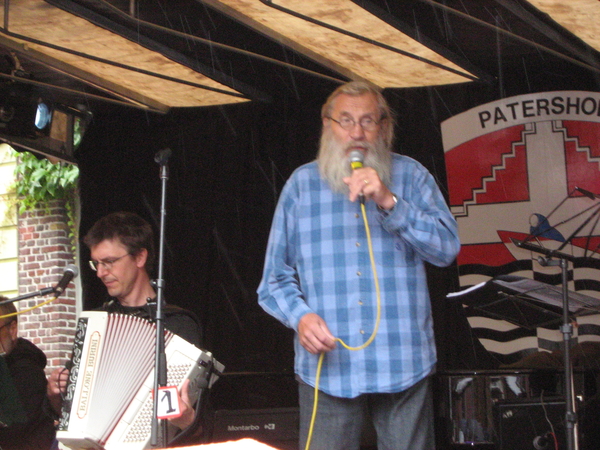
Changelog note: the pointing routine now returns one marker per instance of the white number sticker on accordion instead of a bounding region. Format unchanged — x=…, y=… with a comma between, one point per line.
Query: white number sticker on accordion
x=108, y=404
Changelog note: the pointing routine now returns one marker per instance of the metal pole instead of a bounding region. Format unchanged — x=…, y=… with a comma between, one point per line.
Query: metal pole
x=567, y=331
x=158, y=431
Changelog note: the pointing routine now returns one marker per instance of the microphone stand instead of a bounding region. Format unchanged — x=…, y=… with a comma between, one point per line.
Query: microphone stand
x=40, y=293
x=567, y=332
x=567, y=327
x=158, y=429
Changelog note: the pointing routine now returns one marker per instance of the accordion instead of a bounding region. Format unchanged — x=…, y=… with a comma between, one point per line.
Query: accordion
x=109, y=403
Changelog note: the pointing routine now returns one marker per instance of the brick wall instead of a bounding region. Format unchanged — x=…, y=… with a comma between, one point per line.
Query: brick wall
x=45, y=249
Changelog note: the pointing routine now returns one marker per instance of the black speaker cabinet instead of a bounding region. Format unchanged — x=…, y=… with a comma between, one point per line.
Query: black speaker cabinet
x=528, y=426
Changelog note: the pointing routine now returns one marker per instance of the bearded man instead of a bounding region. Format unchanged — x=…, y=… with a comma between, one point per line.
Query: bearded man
x=345, y=269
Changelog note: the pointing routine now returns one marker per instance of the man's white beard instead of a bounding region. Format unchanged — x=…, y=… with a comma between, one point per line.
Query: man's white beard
x=334, y=162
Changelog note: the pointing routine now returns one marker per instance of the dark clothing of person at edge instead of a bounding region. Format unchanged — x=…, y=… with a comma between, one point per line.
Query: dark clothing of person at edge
x=25, y=415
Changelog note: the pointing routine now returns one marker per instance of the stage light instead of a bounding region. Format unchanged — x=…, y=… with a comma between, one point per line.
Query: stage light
x=29, y=120
x=23, y=117
x=24, y=111
x=43, y=116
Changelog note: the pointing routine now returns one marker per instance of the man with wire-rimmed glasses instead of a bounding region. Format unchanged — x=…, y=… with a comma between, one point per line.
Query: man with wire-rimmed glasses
x=122, y=255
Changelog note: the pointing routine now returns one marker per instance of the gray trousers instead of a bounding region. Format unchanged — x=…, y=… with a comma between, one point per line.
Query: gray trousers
x=402, y=421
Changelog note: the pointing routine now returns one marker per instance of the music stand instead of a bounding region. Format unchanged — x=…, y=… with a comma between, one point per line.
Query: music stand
x=524, y=302
x=558, y=258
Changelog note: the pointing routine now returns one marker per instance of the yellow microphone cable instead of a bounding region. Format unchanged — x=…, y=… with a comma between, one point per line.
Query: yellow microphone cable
x=23, y=311
x=70, y=273
x=361, y=347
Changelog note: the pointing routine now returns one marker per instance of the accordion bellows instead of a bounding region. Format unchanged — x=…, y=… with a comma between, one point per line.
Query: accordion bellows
x=108, y=404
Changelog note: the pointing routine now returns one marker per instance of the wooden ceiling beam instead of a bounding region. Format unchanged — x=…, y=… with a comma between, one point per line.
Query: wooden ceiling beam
x=580, y=17
x=177, y=85
x=353, y=58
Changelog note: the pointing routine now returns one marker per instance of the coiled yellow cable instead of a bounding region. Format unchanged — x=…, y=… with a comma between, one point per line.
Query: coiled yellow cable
x=361, y=347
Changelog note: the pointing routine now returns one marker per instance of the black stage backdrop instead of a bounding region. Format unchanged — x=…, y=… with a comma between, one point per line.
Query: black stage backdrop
x=227, y=168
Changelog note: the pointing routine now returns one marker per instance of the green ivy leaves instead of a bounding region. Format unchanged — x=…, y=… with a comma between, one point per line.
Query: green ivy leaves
x=39, y=181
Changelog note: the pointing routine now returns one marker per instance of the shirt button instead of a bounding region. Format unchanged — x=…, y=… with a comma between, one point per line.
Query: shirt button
x=356, y=215
x=359, y=273
x=360, y=302
x=362, y=331
x=358, y=244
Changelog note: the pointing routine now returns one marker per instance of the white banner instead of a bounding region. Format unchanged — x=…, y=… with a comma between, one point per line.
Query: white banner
x=543, y=106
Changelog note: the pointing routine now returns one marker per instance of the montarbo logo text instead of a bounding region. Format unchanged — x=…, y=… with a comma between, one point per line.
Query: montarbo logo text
x=242, y=427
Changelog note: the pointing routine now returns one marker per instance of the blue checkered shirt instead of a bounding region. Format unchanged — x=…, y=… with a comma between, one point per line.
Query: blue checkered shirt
x=318, y=261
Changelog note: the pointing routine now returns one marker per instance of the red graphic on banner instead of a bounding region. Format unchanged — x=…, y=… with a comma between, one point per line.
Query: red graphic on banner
x=499, y=169
x=495, y=163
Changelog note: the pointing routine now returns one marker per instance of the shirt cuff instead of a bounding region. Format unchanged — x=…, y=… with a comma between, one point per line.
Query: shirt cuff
x=388, y=211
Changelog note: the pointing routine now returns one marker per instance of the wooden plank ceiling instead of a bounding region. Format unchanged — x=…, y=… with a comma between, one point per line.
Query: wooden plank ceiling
x=130, y=80
x=337, y=35
x=343, y=53
x=580, y=17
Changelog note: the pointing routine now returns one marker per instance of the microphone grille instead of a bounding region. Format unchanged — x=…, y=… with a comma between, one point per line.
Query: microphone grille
x=357, y=156
x=73, y=269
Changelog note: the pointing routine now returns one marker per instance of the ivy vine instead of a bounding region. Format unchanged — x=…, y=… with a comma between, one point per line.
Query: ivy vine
x=38, y=181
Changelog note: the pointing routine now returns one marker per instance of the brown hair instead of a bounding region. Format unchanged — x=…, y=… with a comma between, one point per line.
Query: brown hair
x=8, y=308
x=129, y=229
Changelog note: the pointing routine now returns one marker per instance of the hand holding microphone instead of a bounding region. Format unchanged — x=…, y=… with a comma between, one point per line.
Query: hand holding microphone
x=365, y=183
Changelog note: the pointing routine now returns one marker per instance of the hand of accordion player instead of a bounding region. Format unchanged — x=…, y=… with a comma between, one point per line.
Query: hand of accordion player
x=187, y=411
x=56, y=387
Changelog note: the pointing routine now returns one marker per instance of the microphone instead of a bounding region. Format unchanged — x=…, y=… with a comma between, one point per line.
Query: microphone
x=356, y=162
x=357, y=158
x=162, y=157
x=70, y=273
